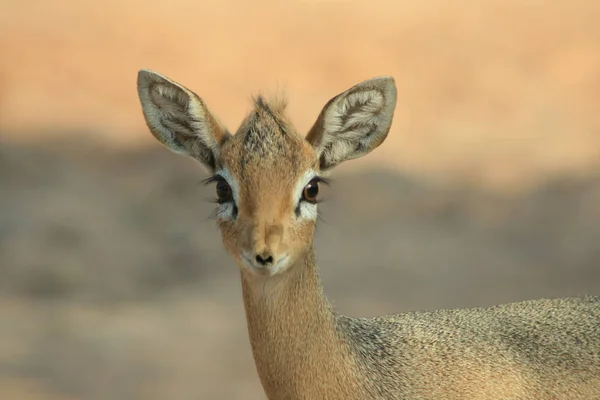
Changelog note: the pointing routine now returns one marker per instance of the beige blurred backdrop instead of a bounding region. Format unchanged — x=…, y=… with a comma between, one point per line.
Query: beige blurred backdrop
x=113, y=285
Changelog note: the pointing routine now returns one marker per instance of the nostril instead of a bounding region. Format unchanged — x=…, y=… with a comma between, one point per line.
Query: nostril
x=264, y=260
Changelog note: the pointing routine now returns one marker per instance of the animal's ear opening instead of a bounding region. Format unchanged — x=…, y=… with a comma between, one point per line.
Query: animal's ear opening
x=354, y=122
x=179, y=119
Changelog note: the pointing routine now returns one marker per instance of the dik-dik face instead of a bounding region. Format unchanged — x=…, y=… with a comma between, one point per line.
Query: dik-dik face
x=267, y=176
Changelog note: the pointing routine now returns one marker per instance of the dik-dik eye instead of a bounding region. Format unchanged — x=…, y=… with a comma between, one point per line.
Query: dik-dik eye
x=224, y=193
x=311, y=191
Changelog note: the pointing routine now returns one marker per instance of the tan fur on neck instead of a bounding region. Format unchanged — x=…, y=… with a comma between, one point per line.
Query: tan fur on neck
x=298, y=352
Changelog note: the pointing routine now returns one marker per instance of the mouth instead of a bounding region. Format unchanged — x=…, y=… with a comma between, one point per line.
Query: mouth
x=269, y=270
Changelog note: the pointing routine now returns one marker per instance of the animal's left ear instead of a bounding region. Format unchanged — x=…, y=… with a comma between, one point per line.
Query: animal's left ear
x=354, y=122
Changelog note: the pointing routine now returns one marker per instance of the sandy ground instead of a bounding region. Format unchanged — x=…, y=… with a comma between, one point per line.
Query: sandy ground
x=115, y=286
x=113, y=283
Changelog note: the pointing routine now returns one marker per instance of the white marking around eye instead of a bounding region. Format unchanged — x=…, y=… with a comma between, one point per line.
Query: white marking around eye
x=308, y=211
x=225, y=210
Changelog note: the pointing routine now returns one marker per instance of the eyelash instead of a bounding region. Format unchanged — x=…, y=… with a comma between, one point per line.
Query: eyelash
x=219, y=178
x=211, y=179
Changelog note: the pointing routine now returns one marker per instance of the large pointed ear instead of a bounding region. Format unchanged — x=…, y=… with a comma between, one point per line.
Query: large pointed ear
x=354, y=122
x=179, y=119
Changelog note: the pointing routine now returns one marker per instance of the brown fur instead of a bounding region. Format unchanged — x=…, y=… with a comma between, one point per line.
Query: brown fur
x=540, y=349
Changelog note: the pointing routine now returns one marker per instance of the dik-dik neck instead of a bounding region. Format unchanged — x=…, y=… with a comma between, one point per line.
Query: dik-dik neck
x=297, y=350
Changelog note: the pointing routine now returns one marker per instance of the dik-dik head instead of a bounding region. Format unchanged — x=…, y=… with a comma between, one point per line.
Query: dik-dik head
x=267, y=175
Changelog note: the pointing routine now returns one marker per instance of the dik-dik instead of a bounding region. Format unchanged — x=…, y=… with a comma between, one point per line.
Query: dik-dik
x=267, y=179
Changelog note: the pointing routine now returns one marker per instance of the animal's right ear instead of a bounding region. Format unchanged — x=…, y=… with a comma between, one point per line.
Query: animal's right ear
x=179, y=119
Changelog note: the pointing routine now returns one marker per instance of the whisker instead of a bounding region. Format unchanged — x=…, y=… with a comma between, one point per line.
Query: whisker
x=212, y=216
x=320, y=217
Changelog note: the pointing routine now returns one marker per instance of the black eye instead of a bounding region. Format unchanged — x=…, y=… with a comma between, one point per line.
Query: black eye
x=224, y=193
x=311, y=191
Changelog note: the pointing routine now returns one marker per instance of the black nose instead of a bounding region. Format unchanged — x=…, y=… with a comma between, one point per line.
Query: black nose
x=265, y=259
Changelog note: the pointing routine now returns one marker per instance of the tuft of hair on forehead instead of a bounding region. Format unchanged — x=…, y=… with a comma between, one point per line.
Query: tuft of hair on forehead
x=272, y=105
x=276, y=103
x=269, y=112
x=267, y=133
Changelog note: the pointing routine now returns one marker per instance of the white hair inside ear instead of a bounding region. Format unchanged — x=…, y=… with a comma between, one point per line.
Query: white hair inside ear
x=355, y=122
x=179, y=119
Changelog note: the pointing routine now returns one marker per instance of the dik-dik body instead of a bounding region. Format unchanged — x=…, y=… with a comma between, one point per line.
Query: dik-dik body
x=267, y=180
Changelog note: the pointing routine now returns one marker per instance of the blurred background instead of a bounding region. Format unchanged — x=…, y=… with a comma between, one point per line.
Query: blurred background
x=113, y=283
